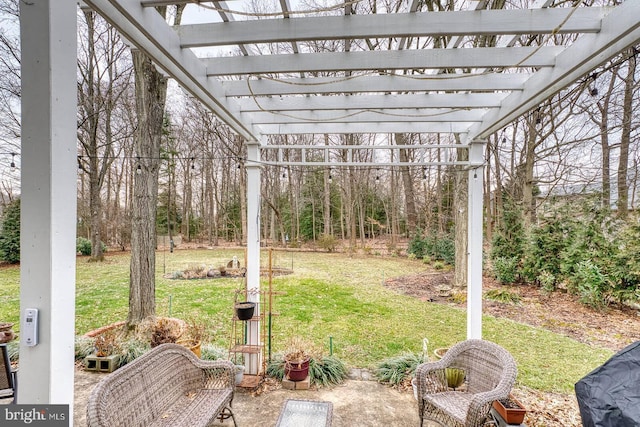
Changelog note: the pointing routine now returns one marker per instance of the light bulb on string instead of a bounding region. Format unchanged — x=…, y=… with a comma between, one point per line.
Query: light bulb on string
x=13, y=160
x=330, y=176
x=593, y=90
x=139, y=168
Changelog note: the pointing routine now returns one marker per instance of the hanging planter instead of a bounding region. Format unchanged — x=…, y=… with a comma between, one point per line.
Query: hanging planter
x=245, y=310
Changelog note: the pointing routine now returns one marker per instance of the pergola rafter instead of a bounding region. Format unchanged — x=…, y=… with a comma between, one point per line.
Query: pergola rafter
x=518, y=77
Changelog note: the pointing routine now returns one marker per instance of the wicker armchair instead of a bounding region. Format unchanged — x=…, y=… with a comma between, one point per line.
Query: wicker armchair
x=8, y=380
x=490, y=372
x=167, y=386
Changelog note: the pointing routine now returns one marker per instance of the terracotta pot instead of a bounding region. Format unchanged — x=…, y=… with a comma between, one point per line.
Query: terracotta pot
x=510, y=415
x=6, y=336
x=296, y=371
x=439, y=352
x=244, y=310
x=194, y=346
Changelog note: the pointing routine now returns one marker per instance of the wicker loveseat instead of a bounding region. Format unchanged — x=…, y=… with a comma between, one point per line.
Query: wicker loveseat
x=168, y=386
x=490, y=372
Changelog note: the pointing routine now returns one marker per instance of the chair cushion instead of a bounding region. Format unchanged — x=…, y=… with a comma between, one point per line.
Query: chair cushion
x=454, y=403
x=197, y=408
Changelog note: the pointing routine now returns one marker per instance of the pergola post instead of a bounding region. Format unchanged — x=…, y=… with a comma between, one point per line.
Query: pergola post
x=253, y=361
x=48, y=199
x=474, y=240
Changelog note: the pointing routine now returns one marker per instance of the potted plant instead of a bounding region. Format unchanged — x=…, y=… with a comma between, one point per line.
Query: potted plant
x=166, y=330
x=104, y=358
x=192, y=339
x=6, y=333
x=455, y=376
x=296, y=360
x=239, y=373
x=510, y=409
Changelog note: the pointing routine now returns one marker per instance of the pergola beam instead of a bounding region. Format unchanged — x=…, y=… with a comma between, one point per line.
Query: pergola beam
x=418, y=24
x=374, y=127
x=396, y=101
x=508, y=57
x=486, y=82
x=405, y=115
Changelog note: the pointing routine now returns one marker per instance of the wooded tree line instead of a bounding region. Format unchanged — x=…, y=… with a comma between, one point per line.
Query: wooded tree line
x=582, y=140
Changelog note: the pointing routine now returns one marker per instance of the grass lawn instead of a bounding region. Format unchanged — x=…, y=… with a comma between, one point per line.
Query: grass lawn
x=328, y=295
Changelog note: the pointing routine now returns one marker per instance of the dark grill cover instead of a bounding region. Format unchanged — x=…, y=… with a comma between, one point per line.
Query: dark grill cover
x=609, y=396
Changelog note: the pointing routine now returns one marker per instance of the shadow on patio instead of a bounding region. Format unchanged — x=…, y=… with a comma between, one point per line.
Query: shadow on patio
x=357, y=402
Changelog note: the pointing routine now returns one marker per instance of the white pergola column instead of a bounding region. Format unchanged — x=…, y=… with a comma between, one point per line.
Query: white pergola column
x=253, y=362
x=474, y=242
x=48, y=205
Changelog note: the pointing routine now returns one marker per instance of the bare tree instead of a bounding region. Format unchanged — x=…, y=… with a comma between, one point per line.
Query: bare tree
x=104, y=78
x=625, y=137
x=9, y=101
x=151, y=92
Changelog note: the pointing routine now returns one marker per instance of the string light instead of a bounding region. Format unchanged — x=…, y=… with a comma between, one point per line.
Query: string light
x=139, y=168
x=13, y=160
x=330, y=176
x=593, y=90
x=193, y=164
x=424, y=174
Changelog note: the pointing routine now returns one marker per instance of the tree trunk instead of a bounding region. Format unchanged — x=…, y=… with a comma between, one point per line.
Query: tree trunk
x=625, y=137
x=487, y=194
x=326, y=210
x=151, y=88
x=407, y=181
x=527, y=173
x=460, y=213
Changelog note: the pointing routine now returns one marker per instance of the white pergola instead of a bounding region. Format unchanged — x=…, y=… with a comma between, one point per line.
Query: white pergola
x=390, y=77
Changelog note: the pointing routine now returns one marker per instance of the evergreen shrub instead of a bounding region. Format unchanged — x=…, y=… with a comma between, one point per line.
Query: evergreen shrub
x=10, y=233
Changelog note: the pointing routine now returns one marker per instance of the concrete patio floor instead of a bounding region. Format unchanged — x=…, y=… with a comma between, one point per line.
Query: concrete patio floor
x=357, y=402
